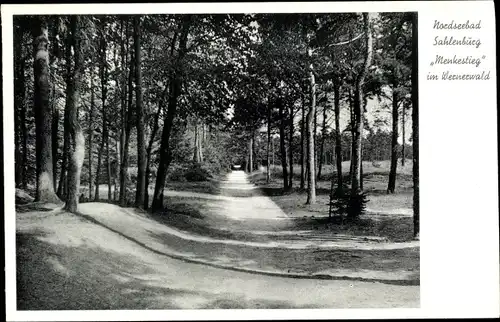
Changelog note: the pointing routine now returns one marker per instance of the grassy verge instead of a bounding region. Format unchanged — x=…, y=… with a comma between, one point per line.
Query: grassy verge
x=388, y=215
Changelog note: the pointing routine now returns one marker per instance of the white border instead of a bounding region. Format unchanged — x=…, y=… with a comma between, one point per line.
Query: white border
x=459, y=214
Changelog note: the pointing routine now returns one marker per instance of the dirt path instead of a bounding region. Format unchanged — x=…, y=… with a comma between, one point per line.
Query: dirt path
x=239, y=198
x=68, y=262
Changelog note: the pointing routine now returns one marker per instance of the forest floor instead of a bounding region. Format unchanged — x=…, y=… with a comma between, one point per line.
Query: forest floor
x=227, y=224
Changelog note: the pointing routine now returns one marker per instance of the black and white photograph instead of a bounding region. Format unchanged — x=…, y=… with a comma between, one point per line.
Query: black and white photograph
x=187, y=161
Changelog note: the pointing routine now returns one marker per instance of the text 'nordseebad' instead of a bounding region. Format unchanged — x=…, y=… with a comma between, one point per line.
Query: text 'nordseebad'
x=457, y=26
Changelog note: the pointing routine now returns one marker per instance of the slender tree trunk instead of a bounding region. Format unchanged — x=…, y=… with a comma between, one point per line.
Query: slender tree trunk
x=128, y=128
x=338, y=141
x=302, y=140
x=91, y=130
x=165, y=151
x=394, y=143
x=358, y=109
x=290, y=148
x=311, y=182
x=116, y=171
x=268, y=150
x=141, y=147
x=316, y=142
x=55, y=137
x=282, y=144
x=124, y=113
x=55, y=112
x=361, y=181
x=24, y=133
x=415, y=129
x=196, y=154
x=250, y=153
x=322, y=144
x=103, y=70
x=150, y=148
x=76, y=138
x=99, y=157
x=43, y=115
x=108, y=171
x=353, y=130
x=62, y=187
x=403, y=157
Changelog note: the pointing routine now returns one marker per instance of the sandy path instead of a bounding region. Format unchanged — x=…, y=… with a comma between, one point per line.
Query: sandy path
x=66, y=262
x=256, y=206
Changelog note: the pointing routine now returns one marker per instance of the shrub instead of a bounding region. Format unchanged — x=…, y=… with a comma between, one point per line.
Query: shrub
x=197, y=172
x=177, y=173
x=343, y=204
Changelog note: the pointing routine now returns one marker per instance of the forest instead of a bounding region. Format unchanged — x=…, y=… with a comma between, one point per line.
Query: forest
x=113, y=108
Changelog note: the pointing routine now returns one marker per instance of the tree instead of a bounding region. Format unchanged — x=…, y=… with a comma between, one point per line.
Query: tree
x=311, y=182
x=75, y=133
x=322, y=142
x=358, y=110
x=415, y=129
x=91, y=130
x=338, y=141
x=396, y=73
x=43, y=114
x=303, y=158
x=128, y=114
x=175, y=83
x=103, y=73
x=141, y=148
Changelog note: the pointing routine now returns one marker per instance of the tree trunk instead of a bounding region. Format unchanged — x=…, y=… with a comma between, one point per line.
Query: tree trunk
x=268, y=150
x=198, y=142
x=394, y=142
x=24, y=133
x=108, y=171
x=302, y=140
x=250, y=152
x=282, y=144
x=55, y=137
x=358, y=109
x=338, y=142
x=116, y=171
x=353, y=130
x=415, y=129
x=322, y=144
x=403, y=121
x=103, y=71
x=290, y=148
x=311, y=182
x=128, y=127
x=62, y=187
x=43, y=116
x=165, y=151
x=315, y=137
x=124, y=113
x=91, y=130
x=99, y=157
x=150, y=148
x=76, y=138
x=141, y=147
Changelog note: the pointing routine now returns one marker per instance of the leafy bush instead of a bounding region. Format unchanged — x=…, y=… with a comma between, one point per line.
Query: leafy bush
x=176, y=173
x=197, y=172
x=192, y=173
